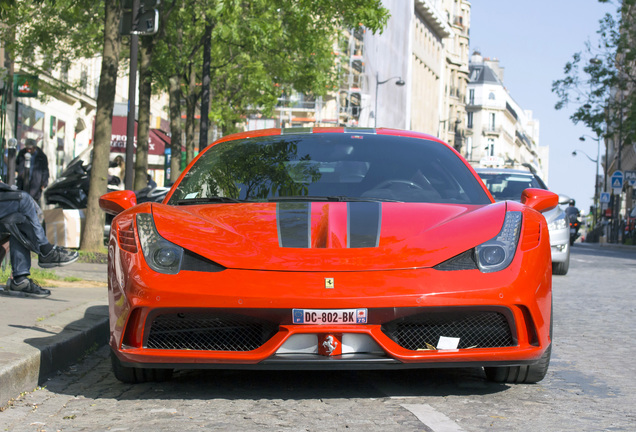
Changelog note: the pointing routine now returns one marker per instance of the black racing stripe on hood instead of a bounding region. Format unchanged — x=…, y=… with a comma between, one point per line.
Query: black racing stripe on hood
x=365, y=219
x=294, y=224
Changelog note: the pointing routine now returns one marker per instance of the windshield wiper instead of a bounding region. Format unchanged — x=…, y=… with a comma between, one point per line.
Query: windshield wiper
x=208, y=200
x=332, y=198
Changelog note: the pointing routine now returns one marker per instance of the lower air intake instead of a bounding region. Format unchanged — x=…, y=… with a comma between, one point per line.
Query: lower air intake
x=475, y=329
x=209, y=332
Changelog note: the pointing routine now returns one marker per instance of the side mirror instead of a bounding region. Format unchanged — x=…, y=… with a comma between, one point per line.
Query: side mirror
x=539, y=199
x=118, y=201
x=564, y=199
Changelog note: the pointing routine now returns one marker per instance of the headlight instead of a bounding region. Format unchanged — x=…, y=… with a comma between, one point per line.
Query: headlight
x=558, y=224
x=497, y=254
x=494, y=255
x=161, y=255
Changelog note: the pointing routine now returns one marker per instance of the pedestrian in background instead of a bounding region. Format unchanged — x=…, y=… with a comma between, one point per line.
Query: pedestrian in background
x=151, y=183
x=116, y=171
x=33, y=169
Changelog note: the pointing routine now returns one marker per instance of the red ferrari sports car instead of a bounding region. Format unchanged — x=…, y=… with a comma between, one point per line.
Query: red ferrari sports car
x=329, y=248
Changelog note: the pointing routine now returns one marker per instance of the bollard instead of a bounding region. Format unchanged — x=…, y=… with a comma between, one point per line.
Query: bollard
x=12, y=147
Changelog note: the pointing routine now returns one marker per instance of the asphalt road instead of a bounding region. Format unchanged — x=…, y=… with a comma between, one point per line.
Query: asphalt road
x=590, y=385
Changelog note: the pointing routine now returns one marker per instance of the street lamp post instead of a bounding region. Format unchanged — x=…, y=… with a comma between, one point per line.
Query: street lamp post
x=597, y=162
x=400, y=82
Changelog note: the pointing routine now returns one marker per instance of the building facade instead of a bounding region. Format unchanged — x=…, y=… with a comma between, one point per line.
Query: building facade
x=499, y=133
x=57, y=108
x=453, y=114
x=413, y=75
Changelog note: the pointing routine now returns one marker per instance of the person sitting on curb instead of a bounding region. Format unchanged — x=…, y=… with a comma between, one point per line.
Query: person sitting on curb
x=19, y=216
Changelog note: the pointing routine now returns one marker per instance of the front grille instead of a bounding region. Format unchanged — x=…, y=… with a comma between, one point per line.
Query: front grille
x=475, y=329
x=209, y=331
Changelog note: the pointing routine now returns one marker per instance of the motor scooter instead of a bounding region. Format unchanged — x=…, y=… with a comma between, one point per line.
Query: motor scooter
x=575, y=225
x=70, y=189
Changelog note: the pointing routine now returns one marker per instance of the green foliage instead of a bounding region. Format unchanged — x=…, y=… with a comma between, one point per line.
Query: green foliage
x=260, y=49
x=51, y=35
x=38, y=275
x=598, y=81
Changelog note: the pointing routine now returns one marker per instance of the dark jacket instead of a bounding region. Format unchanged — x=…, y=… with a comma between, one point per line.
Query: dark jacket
x=38, y=176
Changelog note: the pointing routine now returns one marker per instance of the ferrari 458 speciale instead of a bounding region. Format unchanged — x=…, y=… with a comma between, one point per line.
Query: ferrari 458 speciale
x=329, y=248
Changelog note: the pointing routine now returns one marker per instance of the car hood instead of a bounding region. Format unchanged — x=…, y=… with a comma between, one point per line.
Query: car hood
x=335, y=236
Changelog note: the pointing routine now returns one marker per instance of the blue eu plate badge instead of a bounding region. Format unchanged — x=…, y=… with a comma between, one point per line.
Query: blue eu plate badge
x=298, y=316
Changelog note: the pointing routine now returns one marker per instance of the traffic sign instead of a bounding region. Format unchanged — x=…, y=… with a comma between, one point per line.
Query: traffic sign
x=148, y=23
x=605, y=197
x=630, y=177
x=617, y=181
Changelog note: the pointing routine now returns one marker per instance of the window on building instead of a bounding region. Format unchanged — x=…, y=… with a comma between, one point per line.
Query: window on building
x=491, y=121
x=490, y=149
x=471, y=97
x=84, y=79
x=64, y=71
x=30, y=124
x=469, y=120
x=491, y=96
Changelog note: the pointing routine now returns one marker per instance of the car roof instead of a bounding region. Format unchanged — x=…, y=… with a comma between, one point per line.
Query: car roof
x=323, y=130
x=503, y=171
x=512, y=172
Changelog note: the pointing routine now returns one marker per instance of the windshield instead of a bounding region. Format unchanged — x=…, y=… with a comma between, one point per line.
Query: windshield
x=508, y=186
x=333, y=167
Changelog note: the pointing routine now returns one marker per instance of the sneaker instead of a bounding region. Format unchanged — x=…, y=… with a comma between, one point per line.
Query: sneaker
x=58, y=256
x=28, y=287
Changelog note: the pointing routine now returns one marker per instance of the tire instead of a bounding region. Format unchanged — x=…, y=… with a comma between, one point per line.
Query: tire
x=130, y=375
x=561, y=268
x=526, y=374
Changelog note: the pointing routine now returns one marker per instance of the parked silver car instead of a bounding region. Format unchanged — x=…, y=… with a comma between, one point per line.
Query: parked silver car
x=507, y=184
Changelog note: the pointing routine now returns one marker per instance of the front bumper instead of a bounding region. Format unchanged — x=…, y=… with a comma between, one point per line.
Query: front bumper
x=138, y=296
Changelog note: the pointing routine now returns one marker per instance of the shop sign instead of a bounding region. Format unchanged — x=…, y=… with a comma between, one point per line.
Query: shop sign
x=25, y=85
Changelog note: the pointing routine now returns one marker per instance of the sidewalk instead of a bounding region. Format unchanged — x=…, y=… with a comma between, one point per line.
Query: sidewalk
x=39, y=336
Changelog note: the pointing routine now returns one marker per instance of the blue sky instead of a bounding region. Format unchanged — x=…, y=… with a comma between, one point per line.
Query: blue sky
x=533, y=41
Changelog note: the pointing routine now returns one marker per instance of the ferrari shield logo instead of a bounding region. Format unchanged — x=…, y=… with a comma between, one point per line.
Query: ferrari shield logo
x=329, y=283
x=330, y=344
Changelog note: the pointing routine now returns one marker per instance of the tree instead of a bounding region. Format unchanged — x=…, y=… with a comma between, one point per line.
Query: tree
x=599, y=80
x=92, y=238
x=52, y=35
x=258, y=50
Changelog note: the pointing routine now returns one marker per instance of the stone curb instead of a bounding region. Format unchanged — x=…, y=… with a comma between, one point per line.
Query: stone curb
x=29, y=358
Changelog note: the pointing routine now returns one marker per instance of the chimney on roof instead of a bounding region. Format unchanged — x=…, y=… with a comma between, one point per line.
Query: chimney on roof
x=476, y=58
x=494, y=65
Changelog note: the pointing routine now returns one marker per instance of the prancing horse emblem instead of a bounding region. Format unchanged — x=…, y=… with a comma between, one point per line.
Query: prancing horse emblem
x=329, y=283
x=330, y=344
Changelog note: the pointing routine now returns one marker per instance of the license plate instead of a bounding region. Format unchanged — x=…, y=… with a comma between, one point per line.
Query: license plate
x=329, y=316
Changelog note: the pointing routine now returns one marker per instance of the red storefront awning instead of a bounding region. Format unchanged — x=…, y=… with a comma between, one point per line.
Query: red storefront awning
x=157, y=140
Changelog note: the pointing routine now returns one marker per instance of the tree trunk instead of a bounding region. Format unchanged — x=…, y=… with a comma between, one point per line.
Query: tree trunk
x=143, y=124
x=191, y=102
x=175, y=127
x=205, y=88
x=93, y=235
